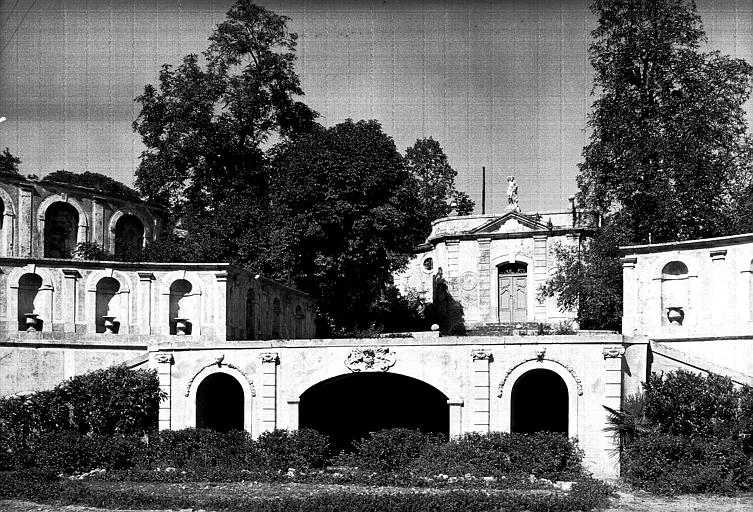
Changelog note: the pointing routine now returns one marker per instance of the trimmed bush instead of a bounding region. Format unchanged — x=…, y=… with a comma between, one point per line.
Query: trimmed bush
x=678, y=464
x=299, y=449
x=70, y=452
x=391, y=450
x=684, y=403
x=544, y=454
x=192, y=448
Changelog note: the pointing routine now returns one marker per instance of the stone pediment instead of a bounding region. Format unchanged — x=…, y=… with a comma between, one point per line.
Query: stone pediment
x=510, y=222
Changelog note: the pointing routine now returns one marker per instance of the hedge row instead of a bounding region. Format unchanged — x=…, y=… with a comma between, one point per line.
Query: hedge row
x=677, y=464
x=396, y=455
x=586, y=495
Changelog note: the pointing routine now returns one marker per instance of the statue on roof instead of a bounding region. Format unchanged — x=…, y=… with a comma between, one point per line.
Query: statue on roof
x=512, y=194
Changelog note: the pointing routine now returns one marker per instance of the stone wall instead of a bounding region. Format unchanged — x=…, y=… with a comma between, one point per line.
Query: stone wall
x=476, y=374
x=206, y=300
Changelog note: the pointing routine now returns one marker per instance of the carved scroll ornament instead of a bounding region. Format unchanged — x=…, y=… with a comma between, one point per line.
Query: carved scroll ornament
x=362, y=359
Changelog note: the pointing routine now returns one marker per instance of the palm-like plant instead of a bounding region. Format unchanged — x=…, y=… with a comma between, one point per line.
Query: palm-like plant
x=629, y=421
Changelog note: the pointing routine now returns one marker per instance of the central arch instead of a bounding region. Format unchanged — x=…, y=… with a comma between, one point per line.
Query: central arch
x=348, y=407
x=539, y=402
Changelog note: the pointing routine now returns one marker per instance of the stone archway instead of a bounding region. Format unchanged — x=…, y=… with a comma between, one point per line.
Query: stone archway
x=348, y=407
x=539, y=402
x=220, y=403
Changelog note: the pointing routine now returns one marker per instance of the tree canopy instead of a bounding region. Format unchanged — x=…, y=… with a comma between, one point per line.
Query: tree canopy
x=435, y=182
x=344, y=217
x=9, y=163
x=669, y=144
x=669, y=152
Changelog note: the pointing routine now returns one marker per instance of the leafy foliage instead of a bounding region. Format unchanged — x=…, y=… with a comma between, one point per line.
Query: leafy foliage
x=678, y=464
x=689, y=404
x=588, y=278
x=343, y=217
x=669, y=140
x=92, y=180
x=115, y=401
x=629, y=422
x=435, y=182
x=669, y=156
x=9, y=163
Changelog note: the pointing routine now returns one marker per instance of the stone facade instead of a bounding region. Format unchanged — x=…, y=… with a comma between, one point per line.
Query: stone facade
x=47, y=219
x=211, y=301
x=689, y=305
x=492, y=266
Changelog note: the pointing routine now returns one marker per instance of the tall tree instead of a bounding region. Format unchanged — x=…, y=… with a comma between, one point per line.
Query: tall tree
x=344, y=218
x=668, y=151
x=205, y=125
x=435, y=182
x=669, y=143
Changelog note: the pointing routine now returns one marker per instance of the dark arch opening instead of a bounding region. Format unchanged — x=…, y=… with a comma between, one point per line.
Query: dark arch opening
x=346, y=408
x=539, y=403
x=28, y=289
x=60, y=230
x=129, y=235
x=219, y=403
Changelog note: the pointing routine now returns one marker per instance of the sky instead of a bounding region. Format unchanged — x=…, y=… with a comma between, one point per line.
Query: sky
x=502, y=84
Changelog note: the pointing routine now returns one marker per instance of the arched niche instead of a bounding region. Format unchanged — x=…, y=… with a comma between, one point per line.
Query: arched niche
x=181, y=302
x=118, y=305
x=675, y=293
x=7, y=224
x=300, y=319
x=574, y=391
x=146, y=221
x=227, y=369
x=82, y=221
x=43, y=298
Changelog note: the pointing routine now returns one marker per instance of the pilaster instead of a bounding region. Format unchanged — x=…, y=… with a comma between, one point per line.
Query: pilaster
x=144, y=303
x=539, y=273
x=481, y=385
x=484, y=279
x=456, y=417
x=70, y=302
x=720, y=288
x=98, y=220
x=269, y=362
x=612, y=389
x=165, y=363
x=630, y=300
x=220, y=306
x=453, y=249
x=25, y=222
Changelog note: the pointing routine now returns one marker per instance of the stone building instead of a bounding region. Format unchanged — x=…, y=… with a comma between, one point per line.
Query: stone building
x=688, y=305
x=488, y=268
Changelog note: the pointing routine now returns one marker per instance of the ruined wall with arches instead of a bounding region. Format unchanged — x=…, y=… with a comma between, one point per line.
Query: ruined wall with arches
x=41, y=219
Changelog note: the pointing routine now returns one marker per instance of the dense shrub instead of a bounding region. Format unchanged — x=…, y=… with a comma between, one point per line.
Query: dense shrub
x=200, y=448
x=544, y=454
x=68, y=451
x=689, y=404
x=391, y=449
x=299, y=449
x=679, y=464
x=114, y=401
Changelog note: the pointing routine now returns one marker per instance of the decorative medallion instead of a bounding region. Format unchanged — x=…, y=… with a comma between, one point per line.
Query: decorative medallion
x=363, y=359
x=468, y=281
x=611, y=352
x=482, y=355
x=164, y=358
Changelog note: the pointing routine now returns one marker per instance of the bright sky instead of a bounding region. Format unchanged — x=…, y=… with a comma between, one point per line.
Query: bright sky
x=503, y=84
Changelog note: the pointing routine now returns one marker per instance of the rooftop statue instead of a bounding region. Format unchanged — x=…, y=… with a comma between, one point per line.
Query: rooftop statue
x=512, y=194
